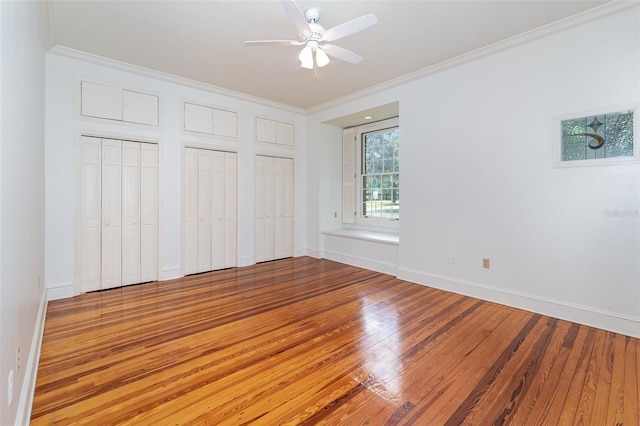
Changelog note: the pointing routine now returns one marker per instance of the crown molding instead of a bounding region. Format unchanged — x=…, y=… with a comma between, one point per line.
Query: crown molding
x=572, y=21
x=147, y=72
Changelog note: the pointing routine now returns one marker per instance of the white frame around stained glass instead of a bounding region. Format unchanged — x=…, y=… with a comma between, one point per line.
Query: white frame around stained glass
x=593, y=137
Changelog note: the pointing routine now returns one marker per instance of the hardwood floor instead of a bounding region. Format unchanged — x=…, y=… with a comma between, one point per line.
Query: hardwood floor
x=307, y=341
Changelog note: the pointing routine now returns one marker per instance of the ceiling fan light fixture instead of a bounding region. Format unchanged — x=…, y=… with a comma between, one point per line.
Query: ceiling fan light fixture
x=306, y=58
x=315, y=53
x=321, y=58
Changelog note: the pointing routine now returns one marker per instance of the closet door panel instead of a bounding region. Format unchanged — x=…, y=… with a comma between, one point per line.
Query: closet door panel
x=130, y=213
x=279, y=245
x=111, y=213
x=279, y=219
x=287, y=244
x=230, y=244
x=270, y=209
x=90, y=214
x=218, y=208
x=283, y=208
x=260, y=210
x=190, y=194
x=149, y=212
x=217, y=245
x=230, y=209
x=205, y=211
x=288, y=208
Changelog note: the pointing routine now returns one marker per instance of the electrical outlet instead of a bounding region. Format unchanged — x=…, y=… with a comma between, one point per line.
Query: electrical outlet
x=39, y=283
x=486, y=263
x=335, y=214
x=10, y=388
x=452, y=259
x=18, y=360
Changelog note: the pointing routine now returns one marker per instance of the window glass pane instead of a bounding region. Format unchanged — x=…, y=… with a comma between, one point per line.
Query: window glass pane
x=388, y=166
x=597, y=136
x=368, y=167
x=366, y=196
x=380, y=179
x=619, y=132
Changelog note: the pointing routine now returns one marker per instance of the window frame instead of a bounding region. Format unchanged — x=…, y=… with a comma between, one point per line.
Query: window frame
x=360, y=131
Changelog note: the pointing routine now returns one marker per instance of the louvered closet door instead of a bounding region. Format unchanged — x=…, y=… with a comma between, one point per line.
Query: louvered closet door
x=190, y=203
x=130, y=213
x=90, y=215
x=149, y=202
x=111, y=213
x=210, y=212
x=274, y=208
x=217, y=206
x=264, y=229
x=118, y=229
x=259, y=229
x=283, y=191
x=205, y=209
x=230, y=209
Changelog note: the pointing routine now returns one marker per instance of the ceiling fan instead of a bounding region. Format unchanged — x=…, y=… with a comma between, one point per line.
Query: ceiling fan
x=315, y=38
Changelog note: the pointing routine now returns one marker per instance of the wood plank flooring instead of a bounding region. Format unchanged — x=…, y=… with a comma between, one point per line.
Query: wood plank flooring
x=308, y=341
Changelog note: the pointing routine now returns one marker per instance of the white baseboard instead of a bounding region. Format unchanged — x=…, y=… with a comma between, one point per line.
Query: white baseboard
x=361, y=262
x=314, y=253
x=25, y=403
x=60, y=292
x=606, y=320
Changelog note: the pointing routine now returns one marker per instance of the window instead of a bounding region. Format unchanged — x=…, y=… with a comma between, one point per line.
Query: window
x=371, y=174
x=380, y=174
x=600, y=138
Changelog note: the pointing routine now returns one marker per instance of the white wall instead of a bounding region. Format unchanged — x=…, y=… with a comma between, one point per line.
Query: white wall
x=64, y=125
x=324, y=163
x=25, y=38
x=477, y=178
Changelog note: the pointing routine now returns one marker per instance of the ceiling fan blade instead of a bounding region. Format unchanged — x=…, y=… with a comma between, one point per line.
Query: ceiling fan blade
x=297, y=16
x=350, y=27
x=341, y=53
x=273, y=42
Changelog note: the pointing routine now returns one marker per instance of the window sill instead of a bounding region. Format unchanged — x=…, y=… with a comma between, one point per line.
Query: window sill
x=376, y=236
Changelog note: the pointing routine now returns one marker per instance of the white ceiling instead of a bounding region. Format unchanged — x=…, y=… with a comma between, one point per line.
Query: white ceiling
x=203, y=40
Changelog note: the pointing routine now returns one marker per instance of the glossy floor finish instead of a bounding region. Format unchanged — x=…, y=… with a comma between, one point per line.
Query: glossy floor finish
x=308, y=341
